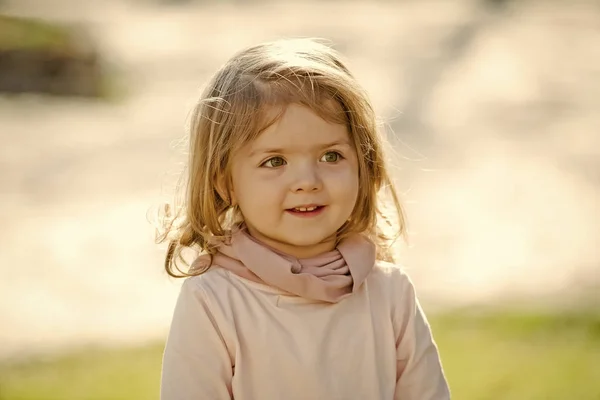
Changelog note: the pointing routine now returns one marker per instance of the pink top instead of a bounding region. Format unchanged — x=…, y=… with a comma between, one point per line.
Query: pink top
x=328, y=277
x=263, y=325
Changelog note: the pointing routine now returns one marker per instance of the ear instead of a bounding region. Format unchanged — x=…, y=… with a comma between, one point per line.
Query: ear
x=233, y=199
x=224, y=188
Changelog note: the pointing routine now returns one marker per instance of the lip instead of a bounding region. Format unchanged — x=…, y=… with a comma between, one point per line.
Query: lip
x=306, y=214
x=306, y=206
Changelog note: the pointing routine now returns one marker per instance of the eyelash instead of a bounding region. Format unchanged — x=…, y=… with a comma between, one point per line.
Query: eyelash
x=264, y=164
x=339, y=156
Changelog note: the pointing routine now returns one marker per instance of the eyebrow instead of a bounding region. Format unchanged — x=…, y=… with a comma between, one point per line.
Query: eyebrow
x=282, y=150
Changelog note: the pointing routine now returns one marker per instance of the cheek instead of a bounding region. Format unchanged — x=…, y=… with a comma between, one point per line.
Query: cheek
x=239, y=185
x=253, y=193
x=351, y=190
x=345, y=183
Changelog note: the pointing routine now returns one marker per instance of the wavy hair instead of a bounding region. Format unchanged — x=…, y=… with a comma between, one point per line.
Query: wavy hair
x=233, y=111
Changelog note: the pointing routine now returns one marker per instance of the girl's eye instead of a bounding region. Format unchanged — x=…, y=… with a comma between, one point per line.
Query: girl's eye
x=273, y=162
x=331, y=157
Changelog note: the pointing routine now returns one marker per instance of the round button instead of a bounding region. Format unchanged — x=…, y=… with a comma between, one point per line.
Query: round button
x=296, y=267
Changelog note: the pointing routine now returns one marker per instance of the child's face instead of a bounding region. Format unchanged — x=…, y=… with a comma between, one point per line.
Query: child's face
x=300, y=161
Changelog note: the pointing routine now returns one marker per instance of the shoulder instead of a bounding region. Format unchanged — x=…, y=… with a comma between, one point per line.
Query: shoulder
x=211, y=281
x=389, y=273
x=395, y=288
x=391, y=280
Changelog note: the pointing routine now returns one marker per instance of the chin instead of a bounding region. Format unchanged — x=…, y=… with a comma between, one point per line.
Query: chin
x=309, y=239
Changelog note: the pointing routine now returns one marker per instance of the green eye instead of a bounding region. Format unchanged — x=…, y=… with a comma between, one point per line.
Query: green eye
x=274, y=162
x=331, y=157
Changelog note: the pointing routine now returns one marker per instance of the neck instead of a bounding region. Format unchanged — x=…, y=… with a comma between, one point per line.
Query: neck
x=297, y=251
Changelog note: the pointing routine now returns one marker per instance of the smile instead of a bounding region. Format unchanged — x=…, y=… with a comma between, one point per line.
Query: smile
x=306, y=211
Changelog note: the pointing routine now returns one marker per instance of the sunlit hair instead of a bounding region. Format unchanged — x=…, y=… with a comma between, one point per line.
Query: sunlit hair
x=234, y=110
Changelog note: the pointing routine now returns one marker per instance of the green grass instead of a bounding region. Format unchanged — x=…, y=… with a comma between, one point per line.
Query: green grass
x=30, y=34
x=49, y=43
x=525, y=357
x=487, y=356
x=115, y=374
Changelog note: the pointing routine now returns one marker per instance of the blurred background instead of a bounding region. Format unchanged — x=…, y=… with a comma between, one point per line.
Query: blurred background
x=493, y=110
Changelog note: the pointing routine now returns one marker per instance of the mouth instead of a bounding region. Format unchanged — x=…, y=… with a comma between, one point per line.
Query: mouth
x=310, y=210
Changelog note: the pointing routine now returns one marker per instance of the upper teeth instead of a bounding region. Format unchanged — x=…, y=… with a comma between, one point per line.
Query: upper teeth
x=305, y=208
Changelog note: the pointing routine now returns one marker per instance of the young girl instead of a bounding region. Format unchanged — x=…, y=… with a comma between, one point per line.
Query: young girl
x=292, y=297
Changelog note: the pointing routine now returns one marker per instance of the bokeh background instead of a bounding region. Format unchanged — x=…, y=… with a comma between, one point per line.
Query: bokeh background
x=493, y=111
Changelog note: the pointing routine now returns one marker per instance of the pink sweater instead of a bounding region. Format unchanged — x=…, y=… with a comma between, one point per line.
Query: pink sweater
x=334, y=328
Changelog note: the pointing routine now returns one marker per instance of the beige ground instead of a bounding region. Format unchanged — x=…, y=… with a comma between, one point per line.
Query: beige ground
x=498, y=133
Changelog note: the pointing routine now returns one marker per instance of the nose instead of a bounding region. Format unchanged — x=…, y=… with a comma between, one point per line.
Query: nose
x=306, y=178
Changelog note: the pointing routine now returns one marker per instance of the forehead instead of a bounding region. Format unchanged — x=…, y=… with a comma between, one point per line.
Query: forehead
x=298, y=128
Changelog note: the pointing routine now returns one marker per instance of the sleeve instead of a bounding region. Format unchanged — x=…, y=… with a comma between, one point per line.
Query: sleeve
x=419, y=373
x=196, y=363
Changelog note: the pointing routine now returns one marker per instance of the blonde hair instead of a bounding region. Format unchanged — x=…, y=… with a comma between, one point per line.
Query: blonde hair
x=233, y=111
